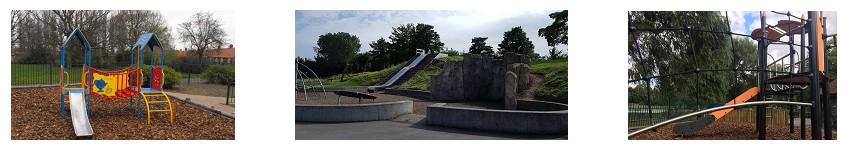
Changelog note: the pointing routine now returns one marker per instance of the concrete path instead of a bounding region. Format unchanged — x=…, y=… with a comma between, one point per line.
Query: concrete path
x=215, y=103
x=398, y=130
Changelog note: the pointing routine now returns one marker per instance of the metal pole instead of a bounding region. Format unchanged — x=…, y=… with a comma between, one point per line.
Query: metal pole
x=802, y=122
x=790, y=72
x=827, y=104
x=227, y=97
x=50, y=73
x=814, y=76
x=762, y=78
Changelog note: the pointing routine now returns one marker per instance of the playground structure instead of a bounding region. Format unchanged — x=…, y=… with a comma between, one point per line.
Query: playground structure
x=407, y=71
x=126, y=83
x=794, y=78
x=307, y=81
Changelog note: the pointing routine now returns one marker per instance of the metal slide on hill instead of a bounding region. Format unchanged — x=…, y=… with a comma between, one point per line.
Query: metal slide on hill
x=420, y=55
x=79, y=117
x=703, y=122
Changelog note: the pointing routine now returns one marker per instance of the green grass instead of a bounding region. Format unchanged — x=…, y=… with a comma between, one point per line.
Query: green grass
x=361, y=78
x=548, y=66
x=555, y=81
x=26, y=74
x=454, y=58
x=421, y=80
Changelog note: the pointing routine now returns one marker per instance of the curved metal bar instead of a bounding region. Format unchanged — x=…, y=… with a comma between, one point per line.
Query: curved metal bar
x=716, y=109
x=324, y=93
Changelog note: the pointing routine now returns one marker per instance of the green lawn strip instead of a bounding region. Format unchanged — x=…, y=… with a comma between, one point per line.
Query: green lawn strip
x=359, y=79
x=24, y=74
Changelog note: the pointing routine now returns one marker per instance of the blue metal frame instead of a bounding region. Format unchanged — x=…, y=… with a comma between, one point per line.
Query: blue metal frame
x=151, y=41
x=87, y=62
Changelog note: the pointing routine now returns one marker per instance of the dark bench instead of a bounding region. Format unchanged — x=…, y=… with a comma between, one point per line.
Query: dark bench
x=360, y=96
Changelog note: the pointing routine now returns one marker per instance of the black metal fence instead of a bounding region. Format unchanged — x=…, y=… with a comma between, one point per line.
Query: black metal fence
x=47, y=74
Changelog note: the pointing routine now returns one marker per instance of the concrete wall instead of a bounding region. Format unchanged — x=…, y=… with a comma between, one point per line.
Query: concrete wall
x=513, y=121
x=352, y=112
x=448, y=86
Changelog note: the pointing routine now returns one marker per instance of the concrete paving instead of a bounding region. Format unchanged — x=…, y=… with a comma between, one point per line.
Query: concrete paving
x=409, y=127
x=215, y=103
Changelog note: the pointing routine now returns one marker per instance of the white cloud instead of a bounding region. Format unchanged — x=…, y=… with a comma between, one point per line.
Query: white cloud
x=175, y=17
x=456, y=28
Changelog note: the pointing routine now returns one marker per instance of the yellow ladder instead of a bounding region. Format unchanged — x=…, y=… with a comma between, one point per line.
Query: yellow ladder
x=157, y=98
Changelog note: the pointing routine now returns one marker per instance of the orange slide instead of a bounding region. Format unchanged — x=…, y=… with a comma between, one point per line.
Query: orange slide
x=700, y=123
x=750, y=93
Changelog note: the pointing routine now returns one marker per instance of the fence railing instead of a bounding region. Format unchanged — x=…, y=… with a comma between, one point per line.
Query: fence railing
x=42, y=74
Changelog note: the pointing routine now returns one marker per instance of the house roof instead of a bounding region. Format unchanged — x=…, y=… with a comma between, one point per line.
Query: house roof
x=223, y=52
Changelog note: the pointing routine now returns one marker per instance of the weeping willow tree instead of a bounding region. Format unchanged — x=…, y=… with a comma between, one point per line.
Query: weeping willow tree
x=679, y=50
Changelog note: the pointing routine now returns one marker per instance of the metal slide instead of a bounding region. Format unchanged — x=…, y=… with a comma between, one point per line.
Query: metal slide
x=703, y=122
x=79, y=117
x=402, y=71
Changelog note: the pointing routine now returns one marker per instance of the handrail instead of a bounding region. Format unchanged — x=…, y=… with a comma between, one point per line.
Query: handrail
x=67, y=80
x=715, y=109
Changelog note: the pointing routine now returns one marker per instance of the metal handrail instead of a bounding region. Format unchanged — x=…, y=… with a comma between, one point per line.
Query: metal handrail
x=716, y=109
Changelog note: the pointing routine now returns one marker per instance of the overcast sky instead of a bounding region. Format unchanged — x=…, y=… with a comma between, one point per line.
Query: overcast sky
x=175, y=17
x=745, y=21
x=456, y=28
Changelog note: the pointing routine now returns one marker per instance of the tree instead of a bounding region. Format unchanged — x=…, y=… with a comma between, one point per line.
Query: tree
x=555, y=33
x=126, y=26
x=381, y=53
x=554, y=53
x=653, y=53
x=479, y=46
x=38, y=33
x=409, y=37
x=202, y=32
x=337, y=49
x=516, y=41
x=832, y=57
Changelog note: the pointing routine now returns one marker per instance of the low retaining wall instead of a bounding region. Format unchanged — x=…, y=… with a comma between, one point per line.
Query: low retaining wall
x=513, y=121
x=424, y=95
x=299, y=89
x=352, y=112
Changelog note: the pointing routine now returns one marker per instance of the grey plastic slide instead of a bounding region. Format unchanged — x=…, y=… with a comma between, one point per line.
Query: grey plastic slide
x=403, y=71
x=79, y=117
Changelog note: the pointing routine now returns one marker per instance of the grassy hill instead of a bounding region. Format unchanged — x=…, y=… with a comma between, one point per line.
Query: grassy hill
x=555, y=81
x=554, y=87
x=361, y=78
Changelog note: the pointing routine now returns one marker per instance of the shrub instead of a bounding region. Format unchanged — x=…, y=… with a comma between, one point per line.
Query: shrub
x=172, y=77
x=554, y=88
x=220, y=74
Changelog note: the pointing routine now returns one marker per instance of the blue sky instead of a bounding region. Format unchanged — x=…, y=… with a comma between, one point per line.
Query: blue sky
x=745, y=21
x=456, y=28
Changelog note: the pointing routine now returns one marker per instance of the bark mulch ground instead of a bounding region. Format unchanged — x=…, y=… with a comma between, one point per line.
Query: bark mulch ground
x=35, y=116
x=725, y=130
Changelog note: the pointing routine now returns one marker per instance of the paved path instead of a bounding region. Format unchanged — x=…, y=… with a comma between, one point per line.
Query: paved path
x=215, y=103
x=392, y=130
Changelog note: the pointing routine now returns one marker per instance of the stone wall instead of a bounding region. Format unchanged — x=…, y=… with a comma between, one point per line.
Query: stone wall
x=478, y=78
x=447, y=85
x=483, y=78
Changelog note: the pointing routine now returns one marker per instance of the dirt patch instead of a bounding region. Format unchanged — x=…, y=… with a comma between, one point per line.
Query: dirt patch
x=536, y=83
x=725, y=130
x=35, y=116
